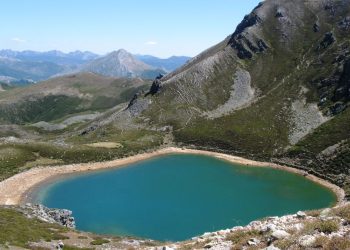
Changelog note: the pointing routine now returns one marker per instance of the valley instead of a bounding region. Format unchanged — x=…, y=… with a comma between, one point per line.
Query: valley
x=276, y=91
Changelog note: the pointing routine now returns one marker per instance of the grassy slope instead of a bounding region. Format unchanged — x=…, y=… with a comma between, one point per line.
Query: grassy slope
x=15, y=158
x=17, y=230
x=64, y=96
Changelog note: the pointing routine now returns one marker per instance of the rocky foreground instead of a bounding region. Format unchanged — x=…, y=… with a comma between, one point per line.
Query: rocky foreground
x=320, y=229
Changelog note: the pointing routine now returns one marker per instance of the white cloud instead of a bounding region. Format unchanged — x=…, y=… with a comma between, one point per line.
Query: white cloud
x=152, y=43
x=18, y=40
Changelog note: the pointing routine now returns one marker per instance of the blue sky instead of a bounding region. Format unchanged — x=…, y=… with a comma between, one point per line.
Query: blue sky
x=160, y=28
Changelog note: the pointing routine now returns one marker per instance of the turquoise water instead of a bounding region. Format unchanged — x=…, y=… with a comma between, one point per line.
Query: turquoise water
x=176, y=197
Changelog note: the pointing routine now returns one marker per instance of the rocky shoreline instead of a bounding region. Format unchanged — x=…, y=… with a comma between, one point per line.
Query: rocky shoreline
x=319, y=229
x=298, y=231
x=62, y=217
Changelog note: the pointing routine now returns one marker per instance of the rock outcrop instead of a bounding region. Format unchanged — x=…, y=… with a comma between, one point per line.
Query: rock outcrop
x=327, y=41
x=156, y=85
x=52, y=215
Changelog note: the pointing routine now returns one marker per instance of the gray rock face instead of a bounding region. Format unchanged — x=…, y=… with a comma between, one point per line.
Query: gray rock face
x=345, y=24
x=248, y=21
x=247, y=44
x=307, y=240
x=280, y=234
x=327, y=41
x=305, y=117
x=242, y=94
x=156, y=85
x=316, y=27
x=52, y=215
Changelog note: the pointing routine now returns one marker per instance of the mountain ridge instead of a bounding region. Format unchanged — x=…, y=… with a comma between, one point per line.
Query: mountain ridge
x=28, y=66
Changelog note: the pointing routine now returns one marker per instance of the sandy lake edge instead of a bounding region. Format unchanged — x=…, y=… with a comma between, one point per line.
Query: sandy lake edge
x=17, y=189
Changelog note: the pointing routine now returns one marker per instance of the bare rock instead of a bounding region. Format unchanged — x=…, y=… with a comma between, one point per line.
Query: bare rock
x=301, y=215
x=52, y=215
x=253, y=242
x=316, y=27
x=345, y=24
x=272, y=247
x=307, y=240
x=327, y=41
x=325, y=212
x=280, y=234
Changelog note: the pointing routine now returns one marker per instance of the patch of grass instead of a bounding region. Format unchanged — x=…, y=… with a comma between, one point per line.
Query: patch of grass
x=105, y=145
x=240, y=238
x=313, y=213
x=327, y=226
x=338, y=243
x=343, y=212
x=13, y=159
x=42, y=162
x=196, y=245
x=285, y=243
x=68, y=247
x=99, y=241
x=82, y=237
x=17, y=230
x=45, y=109
x=334, y=243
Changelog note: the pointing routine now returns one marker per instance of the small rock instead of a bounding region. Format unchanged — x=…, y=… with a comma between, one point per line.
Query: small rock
x=298, y=226
x=280, y=234
x=253, y=242
x=61, y=244
x=167, y=248
x=207, y=234
x=269, y=227
x=207, y=246
x=316, y=27
x=279, y=13
x=325, y=212
x=327, y=41
x=223, y=232
x=272, y=247
x=307, y=241
x=301, y=215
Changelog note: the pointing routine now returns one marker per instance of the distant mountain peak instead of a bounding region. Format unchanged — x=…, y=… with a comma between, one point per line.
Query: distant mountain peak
x=121, y=63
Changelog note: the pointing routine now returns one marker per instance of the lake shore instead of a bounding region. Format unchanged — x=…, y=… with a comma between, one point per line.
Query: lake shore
x=16, y=189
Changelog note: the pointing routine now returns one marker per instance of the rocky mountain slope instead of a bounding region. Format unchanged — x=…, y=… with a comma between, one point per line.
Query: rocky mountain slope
x=278, y=88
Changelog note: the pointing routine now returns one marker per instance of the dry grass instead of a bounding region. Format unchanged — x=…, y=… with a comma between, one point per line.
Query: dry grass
x=42, y=161
x=109, y=145
x=343, y=212
x=240, y=238
x=313, y=213
x=335, y=243
x=327, y=226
